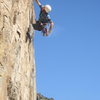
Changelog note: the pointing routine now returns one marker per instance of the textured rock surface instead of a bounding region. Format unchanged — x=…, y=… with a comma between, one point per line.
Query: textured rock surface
x=17, y=67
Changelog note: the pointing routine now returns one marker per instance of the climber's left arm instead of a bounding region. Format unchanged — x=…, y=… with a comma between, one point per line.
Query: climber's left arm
x=51, y=27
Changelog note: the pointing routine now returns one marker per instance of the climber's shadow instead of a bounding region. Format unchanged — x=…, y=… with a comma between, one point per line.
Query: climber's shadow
x=29, y=34
x=28, y=37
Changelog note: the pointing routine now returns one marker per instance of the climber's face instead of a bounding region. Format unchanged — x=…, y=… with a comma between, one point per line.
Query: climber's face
x=43, y=8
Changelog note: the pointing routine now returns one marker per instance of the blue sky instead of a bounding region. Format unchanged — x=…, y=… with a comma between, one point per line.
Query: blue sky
x=68, y=61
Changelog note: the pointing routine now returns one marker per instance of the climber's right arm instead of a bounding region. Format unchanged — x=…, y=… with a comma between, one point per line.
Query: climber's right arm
x=38, y=2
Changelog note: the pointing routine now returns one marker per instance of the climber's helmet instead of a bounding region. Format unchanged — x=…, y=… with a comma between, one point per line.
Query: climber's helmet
x=47, y=8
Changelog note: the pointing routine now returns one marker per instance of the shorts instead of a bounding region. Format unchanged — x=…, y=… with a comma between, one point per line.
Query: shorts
x=38, y=26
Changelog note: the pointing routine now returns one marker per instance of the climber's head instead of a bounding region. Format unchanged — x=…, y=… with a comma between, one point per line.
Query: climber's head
x=47, y=8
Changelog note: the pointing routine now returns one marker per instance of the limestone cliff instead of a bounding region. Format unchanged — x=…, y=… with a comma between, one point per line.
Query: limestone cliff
x=17, y=66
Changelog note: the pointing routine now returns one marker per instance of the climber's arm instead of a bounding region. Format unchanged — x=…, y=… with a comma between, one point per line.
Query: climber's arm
x=38, y=2
x=51, y=27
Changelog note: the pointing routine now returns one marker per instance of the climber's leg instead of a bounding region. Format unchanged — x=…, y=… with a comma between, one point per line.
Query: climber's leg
x=44, y=31
x=40, y=27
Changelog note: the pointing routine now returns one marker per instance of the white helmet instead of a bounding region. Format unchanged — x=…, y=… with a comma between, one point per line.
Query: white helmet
x=48, y=8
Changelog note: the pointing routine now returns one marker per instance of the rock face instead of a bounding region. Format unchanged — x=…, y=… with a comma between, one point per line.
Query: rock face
x=17, y=65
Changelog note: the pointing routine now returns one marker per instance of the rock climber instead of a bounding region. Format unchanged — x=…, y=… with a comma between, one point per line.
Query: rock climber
x=44, y=20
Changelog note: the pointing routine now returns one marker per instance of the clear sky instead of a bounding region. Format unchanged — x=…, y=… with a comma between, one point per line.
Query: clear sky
x=68, y=61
